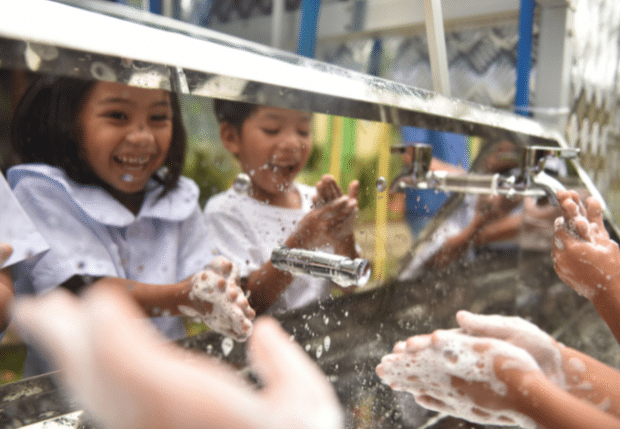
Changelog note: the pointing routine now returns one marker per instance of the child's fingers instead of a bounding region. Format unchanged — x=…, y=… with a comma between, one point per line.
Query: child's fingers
x=582, y=228
x=561, y=234
x=481, y=326
x=573, y=195
x=570, y=211
x=330, y=189
x=221, y=266
x=595, y=212
x=416, y=343
x=5, y=252
x=283, y=367
x=53, y=324
x=354, y=189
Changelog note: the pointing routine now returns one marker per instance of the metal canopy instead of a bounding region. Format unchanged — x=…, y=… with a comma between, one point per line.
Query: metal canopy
x=114, y=42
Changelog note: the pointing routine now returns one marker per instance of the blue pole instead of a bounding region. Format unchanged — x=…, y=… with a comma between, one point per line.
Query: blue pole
x=306, y=42
x=155, y=6
x=524, y=57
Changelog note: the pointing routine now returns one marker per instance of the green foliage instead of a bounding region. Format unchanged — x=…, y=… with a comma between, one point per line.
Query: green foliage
x=213, y=172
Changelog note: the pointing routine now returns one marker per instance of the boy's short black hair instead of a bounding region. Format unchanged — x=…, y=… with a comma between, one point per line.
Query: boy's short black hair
x=233, y=112
x=44, y=130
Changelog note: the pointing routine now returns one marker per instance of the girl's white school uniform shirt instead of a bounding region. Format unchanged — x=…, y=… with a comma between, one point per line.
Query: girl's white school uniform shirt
x=246, y=231
x=91, y=234
x=16, y=228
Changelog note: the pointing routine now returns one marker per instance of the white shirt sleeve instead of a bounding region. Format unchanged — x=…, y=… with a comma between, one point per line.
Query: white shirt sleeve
x=75, y=244
x=16, y=228
x=233, y=239
x=195, y=246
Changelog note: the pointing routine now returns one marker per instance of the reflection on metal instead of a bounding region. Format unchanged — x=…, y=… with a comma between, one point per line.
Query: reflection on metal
x=346, y=336
x=32, y=400
x=530, y=181
x=339, y=269
x=360, y=328
x=533, y=165
x=417, y=163
x=273, y=77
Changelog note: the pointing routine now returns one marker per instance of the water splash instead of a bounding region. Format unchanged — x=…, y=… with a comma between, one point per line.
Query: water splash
x=227, y=345
x=242, y=183
x=381, y=184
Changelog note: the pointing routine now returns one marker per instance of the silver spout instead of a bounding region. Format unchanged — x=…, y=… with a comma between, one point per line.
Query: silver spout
x=533, y=167
x=339, y=269
x=550, y=185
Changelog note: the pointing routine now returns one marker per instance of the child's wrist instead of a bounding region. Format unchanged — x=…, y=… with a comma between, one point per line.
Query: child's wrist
x=606, y=292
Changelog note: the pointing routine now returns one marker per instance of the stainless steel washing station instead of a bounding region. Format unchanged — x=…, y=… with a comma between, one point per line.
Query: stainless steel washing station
x=346, y=336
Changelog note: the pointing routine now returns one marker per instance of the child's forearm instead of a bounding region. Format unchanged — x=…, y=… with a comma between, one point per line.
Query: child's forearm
x=592, y=380
x=553, y=408
x=154, y=299
x=455, y=246
x=6, y=296
x=265, y=286
x=502, y=229
x=607, y=303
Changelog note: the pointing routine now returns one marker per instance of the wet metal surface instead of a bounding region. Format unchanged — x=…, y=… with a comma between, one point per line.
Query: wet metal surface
x=348, y=336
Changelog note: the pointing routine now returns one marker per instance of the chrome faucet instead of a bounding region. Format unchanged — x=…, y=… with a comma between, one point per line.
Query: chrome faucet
x=339, y=269
x=530, y=181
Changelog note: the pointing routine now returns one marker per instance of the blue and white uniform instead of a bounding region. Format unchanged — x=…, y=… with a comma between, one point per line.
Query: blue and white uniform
x=17, y=229
x=91, y=234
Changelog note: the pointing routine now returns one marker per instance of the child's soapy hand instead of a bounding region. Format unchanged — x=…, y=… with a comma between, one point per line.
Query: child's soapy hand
x=584, y=256
x=452, y=372
x=5, y=252
x=119, y=369
x=332, y=218
x=219, y=301
x=520, y=333
x=294, y=391
x=327, y=190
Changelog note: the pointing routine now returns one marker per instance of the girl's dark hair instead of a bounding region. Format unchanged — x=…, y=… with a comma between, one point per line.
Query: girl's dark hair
x=44, y=129
x=233, y=112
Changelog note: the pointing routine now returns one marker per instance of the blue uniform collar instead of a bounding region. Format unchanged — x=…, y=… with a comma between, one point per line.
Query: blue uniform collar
x=177, y=205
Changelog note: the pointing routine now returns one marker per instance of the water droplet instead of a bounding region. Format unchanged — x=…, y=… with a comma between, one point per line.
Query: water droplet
x=381, y=184
x=319, y=351
x=227, y=345
x=127, y=178
x=242, y=183
x=327, y=342
x=162, y=172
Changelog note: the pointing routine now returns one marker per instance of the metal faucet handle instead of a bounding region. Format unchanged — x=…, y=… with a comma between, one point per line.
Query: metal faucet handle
x=416, y=158
x=560, y=152
x=535, y=156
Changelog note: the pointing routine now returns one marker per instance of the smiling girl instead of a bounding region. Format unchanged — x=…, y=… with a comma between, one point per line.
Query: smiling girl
x=102, y=184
